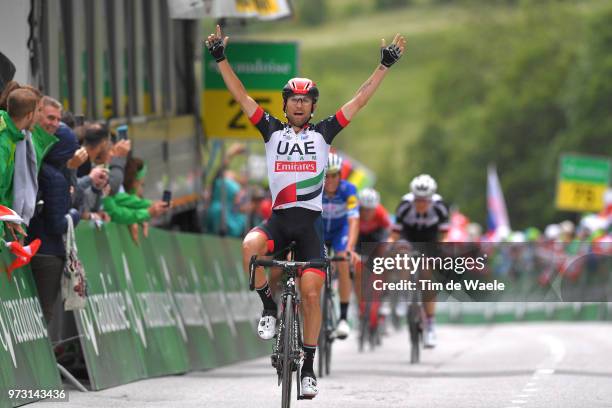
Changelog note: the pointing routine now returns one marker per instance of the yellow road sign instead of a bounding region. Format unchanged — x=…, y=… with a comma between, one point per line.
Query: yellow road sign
x=223, y=117
x=577, y=196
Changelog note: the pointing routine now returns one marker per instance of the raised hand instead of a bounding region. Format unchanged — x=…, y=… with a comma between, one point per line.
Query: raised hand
x=216, y=44
x=390, y=54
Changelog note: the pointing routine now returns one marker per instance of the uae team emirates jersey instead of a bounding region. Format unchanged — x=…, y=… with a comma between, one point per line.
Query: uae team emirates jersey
x=296, y=161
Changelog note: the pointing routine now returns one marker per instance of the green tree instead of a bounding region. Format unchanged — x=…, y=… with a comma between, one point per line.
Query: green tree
x=312, y=12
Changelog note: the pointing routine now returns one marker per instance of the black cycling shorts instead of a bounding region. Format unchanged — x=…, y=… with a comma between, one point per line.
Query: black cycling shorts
x=301, y=225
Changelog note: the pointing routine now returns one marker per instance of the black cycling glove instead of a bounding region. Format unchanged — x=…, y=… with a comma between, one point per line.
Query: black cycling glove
x=389, y=55
x=217, y=49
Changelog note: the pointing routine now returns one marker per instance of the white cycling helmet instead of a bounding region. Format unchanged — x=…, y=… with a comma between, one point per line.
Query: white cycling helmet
x=423, y=186
x=369, y=198
x=334, y=163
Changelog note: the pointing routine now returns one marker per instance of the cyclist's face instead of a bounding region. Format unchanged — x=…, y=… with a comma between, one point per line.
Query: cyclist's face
x=331, y=182
x=366, y=214
x=422, y=205
x=299, y=108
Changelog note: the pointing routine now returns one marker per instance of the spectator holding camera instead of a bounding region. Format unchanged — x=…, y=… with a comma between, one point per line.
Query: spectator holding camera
x=103, y=174
x=129, y=207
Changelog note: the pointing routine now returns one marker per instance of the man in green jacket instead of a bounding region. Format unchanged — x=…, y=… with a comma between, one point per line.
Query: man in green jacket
x=20, y=115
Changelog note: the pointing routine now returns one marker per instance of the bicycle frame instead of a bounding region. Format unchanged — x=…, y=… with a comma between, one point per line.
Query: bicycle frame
x=287, y=352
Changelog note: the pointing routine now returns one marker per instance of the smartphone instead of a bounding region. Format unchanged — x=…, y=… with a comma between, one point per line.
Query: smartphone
x=167, y=197
x=122, y=132
x=79, y=120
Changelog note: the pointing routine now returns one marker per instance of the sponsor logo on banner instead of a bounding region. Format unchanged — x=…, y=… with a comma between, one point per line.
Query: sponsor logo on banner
x=110, y=312
x=21, y=321
x=205, y=316
x=295, y=167
x=175, y=309
x=223, y=300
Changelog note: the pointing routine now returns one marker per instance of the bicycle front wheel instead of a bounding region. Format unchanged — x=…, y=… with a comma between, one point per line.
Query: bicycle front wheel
x=287, y=359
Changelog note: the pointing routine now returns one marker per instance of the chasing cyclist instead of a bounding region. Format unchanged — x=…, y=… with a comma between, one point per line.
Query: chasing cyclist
x=374, y=222
x=374, y=229
x=420, y=218
x=341, y=228
x=296, y=153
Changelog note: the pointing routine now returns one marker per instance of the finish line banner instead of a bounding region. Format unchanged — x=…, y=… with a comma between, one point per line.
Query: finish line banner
x=173, y=303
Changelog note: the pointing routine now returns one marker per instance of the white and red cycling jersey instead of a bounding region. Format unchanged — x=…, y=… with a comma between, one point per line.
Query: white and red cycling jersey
x=296, y=161
x=380, y=221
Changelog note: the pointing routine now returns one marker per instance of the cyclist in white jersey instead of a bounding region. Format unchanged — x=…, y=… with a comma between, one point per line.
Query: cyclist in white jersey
x=296, y=153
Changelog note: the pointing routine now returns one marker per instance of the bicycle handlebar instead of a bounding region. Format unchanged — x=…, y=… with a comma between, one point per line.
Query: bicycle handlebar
x=254, y=263
x=274, y=262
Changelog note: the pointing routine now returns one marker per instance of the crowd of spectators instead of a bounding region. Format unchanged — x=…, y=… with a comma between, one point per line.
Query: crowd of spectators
x=233, y=205
x=54, y=165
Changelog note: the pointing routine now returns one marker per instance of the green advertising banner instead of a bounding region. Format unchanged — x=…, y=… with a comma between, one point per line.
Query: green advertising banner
x=164, y=334
x=26, y=358
x=172, y=303
x=183, y=255
x=111, y=328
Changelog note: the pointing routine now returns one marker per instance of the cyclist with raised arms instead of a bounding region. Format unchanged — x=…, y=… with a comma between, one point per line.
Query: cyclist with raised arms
x=341, y=227
x=296, y=153
x=420, y=218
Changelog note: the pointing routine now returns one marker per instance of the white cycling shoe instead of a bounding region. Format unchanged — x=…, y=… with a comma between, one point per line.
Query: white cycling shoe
x=267, y=326
x=309, y=386
x=429, y=337
x=342, y=330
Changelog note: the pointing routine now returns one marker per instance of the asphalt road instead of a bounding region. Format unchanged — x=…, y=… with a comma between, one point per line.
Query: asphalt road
x=560, y=365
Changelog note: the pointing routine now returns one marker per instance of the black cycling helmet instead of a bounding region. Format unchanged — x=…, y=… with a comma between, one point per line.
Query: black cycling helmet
x=301, y=86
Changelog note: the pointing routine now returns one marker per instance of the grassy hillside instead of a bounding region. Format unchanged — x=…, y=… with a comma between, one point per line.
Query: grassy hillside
x=340, y=54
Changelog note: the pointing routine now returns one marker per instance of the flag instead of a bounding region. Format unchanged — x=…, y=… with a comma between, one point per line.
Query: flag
x=23, y=254
x=8, y=215
x=497, y=216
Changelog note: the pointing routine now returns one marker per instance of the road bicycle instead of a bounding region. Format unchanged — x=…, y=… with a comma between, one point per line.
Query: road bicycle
x=287, y=352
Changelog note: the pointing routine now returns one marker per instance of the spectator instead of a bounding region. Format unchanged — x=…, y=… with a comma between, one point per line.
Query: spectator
x=21, y=109
x=49, y=114
x=90, y=187
x=256, y=207
x=101, y=151
x=129, y=207
x=224, y=216
x=50, y=224
x=30, y=151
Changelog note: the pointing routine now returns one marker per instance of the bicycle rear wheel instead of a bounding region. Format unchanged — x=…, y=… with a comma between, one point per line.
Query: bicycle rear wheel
x=328, y=333
x=414, y=328
x=287, y=359
x=323, y=338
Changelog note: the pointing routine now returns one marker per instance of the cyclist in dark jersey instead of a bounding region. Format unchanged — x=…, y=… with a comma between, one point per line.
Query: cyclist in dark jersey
x=419, y=219
x=296, y=153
